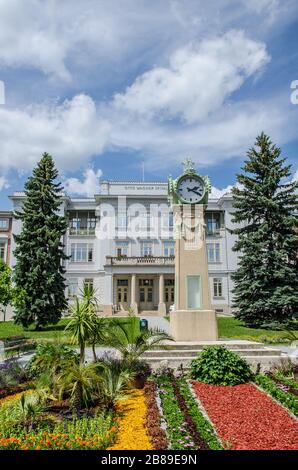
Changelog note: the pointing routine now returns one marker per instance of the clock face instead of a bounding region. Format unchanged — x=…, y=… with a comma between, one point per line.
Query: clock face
x=191, y=189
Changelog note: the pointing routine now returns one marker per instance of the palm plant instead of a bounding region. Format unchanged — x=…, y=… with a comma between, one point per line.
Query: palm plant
x=131, y=343
x=115, y=377
x=29, y=408
x=48, y=387
x=88, y=293
x=81, y=382
x=81, y=325
x=49, y=358
x=99, y=333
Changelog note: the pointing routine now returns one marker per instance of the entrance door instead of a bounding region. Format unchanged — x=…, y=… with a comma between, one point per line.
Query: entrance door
x=146, y=294
x=169, y=293
x=122, y=294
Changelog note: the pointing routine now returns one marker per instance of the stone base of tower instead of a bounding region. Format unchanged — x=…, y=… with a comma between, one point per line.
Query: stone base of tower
x=193, y=325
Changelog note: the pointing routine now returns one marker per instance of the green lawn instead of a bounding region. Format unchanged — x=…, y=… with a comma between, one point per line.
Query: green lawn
x=228, y=328
x=52, y=332
x=232, y=328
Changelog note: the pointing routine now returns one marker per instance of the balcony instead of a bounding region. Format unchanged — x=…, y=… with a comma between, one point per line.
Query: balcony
x=81, y=232
x=140, y=260
x=217, y=232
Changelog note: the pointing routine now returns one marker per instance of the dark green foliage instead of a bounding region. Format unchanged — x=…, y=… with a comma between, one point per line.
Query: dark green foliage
x=39, y=249
x=219, y=366
x=266, y=281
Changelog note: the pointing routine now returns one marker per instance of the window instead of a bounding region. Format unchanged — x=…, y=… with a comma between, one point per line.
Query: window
x=2, y=251
x=146, y=249
x=213, y=222
x=88, y=283
x=72, y=287
x=169, y=248
x=146, y=282
x=82, y=222
x=122, y=221
x=122, y=282
x=213, y=252
x=81, y=252
x=193, y=292
x=4, y=224
x=217, y=287
x=121, y=249
x=167, y=220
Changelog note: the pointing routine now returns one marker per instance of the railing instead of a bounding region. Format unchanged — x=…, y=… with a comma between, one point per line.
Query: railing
x=140, y=260
x=215, y=233
x=82, y=231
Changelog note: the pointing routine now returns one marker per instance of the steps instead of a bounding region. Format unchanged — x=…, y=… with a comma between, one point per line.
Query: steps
x=175, y=354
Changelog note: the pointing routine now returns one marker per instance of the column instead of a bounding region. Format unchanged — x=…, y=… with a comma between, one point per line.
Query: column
x=108, y=295
x=133, y=303
x=161, y=305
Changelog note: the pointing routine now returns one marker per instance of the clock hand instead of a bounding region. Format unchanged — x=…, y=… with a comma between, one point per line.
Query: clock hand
x=193, y=190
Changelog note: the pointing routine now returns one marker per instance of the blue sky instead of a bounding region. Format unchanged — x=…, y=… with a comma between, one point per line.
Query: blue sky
x=103, y=85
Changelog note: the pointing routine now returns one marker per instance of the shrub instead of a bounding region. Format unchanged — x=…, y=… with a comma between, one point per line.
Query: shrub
x=49, y=357
x=219, y=366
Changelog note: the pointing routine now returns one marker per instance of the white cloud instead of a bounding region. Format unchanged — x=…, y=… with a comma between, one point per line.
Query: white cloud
x=295, y=176
x=3, y=183
x=226, y=134
x=71, y=132
x=51, y=36
x=88, y=187
x=197, y=81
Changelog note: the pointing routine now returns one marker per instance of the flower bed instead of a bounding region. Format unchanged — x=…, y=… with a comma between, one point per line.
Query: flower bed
x=246, y=418
x=203, y=426
x=14, y=396
x=131, y=421
x=284, y=383
x=153, y=419
x=10, y=391
x=280, y=391
x=180, y=432
x=84, y=434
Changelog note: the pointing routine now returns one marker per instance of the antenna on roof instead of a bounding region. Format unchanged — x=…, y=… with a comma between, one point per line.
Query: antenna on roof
x=143, y=171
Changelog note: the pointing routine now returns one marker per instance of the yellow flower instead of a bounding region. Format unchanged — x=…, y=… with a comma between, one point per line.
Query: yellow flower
x=132, y=433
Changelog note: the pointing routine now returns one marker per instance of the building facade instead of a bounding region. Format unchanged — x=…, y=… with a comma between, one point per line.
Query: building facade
x=121, y=241
x=5, y=235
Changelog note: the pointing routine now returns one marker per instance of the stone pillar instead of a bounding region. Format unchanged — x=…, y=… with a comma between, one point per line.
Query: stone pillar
x=161, y=304
x=193, y=318
x=133, y=287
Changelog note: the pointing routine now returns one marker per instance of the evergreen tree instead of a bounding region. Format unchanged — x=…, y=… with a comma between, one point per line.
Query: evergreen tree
x=265, y=202
x=39, y=250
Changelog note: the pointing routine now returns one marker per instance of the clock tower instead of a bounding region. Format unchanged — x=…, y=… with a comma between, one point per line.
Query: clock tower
x=193, y=318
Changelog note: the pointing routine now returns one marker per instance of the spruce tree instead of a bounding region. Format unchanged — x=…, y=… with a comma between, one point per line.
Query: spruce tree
x=39, y=249
x=265, y=203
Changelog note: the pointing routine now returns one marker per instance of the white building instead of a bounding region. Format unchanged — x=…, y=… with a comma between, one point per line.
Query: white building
x=122, y=242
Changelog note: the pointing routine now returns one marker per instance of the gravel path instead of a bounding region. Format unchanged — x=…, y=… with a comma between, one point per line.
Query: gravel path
x=247, y=419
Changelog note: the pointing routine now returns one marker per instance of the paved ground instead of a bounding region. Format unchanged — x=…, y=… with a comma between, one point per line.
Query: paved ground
x=157, y=322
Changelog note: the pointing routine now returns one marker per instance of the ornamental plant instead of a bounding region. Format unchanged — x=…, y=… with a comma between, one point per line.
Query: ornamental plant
x=49, y=358
x=219, y=366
